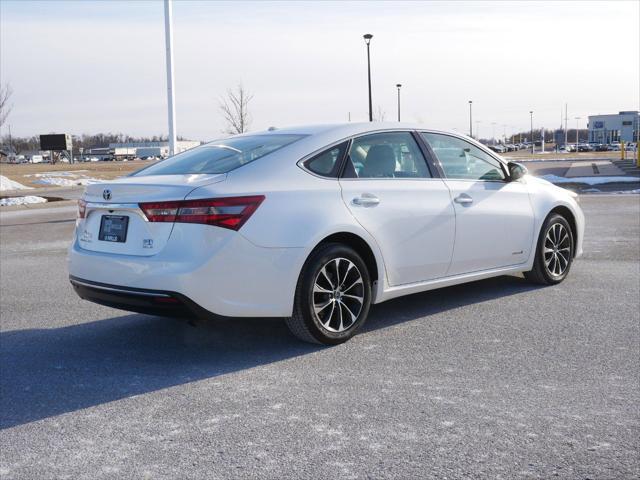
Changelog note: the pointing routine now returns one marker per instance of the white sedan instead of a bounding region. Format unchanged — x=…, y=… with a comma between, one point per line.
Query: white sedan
x=315, y=224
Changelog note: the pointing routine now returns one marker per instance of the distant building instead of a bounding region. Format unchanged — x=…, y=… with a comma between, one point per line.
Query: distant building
x=149, y=149
x=614, y=128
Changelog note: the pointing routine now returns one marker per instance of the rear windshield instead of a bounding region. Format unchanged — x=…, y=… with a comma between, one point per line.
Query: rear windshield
x=220, y=156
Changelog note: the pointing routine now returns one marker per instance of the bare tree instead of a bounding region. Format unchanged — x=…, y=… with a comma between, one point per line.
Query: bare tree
x=379, y=115
x=235, y=110
x=5, y=108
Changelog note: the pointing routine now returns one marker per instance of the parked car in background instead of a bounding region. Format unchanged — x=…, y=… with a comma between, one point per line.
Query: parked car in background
x=498, y=148
x=315, y=224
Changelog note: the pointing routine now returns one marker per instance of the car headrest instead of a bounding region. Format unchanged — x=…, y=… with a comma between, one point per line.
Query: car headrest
x=380, y=162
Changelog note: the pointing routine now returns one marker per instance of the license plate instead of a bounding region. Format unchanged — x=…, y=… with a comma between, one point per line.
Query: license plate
x=113, y=228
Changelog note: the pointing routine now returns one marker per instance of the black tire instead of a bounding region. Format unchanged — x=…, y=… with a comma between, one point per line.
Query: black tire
x=552, y=273
x=306, y=323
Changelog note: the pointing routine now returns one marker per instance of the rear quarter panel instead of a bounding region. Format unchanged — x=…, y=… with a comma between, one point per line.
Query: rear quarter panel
x=299, y=210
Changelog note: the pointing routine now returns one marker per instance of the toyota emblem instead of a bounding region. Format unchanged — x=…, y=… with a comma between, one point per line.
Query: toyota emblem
x=106, y=194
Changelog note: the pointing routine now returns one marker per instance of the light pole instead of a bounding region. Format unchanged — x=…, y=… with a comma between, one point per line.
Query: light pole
x=577, y=130
x=470, y=120
x=533, y=144
x=398, y=85
x=566, y=132
x=171, y=98
x=367, y=39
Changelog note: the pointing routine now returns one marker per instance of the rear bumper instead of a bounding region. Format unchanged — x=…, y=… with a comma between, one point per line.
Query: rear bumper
x=141, y=300
x=217, y=269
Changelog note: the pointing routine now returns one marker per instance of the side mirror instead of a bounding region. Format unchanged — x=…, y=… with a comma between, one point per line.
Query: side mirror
x=517, y=171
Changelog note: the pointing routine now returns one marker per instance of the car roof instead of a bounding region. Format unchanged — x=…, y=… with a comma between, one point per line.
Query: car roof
x=346, y=129
x=320, y=136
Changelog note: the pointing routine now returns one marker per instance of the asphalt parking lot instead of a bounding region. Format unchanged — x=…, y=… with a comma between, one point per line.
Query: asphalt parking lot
x=495, y=379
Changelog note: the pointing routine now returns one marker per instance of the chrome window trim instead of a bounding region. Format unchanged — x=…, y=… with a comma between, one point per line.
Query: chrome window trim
x=350, y=138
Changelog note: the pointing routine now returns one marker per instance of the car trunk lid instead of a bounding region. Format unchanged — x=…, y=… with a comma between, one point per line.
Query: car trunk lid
x=114, y=222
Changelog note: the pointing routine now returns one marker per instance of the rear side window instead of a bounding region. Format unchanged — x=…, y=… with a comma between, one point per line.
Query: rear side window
x=386, y=155
x=327, y=163
x=220, y=156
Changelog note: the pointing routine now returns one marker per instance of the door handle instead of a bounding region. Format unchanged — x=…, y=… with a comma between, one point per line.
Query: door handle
x=463, y=199
x=366, y=200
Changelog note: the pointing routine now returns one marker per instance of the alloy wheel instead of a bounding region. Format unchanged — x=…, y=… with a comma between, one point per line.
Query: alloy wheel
x=557, y=249
x=338, y=294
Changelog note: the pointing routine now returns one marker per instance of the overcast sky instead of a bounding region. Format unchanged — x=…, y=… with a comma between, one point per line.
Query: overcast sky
x=87, y=67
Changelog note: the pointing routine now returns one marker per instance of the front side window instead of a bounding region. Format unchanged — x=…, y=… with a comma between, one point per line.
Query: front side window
x=220, y=156
x=386, y=155
x=462, y=160
x=327, y=163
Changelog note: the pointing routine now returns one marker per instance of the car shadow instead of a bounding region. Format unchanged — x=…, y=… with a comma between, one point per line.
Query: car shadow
x=48, y=372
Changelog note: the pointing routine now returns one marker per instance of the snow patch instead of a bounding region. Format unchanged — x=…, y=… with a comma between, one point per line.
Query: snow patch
x=6, y=184
x=6, y=202
x=66, y=182
x=62, y=173
x=589, y=180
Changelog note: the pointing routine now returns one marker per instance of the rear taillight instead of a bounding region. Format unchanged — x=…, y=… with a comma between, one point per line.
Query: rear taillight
x=82, y=208
x=226, y=212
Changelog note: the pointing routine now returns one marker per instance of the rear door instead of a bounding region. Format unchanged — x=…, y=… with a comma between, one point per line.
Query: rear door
x=494, y=216
x=389, y=189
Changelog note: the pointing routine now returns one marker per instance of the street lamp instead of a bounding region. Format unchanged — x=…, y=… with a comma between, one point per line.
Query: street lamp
x=171, y=97
x=367, y=39
x=533, y=144
x=470, y=120
x=398, y=85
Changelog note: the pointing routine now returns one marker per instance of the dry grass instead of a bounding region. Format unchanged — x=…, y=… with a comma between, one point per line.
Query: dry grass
x=99, y=170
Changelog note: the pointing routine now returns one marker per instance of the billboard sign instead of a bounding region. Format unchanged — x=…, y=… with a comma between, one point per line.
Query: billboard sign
x=55, y=142
x=598, y=124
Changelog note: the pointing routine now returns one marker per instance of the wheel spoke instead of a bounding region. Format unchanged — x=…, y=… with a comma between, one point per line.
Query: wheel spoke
x=319, y=309
x=318, y=289
x=327, y=324
x=346, y=274
x=337, y=267
x=324, y=273
x=355, y=297
x=353, y=317
x=547, y=262
x=564, y=257
x=565, y=236
x=357, y=282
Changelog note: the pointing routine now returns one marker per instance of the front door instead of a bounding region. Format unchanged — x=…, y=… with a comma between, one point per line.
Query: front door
x=494, y=217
